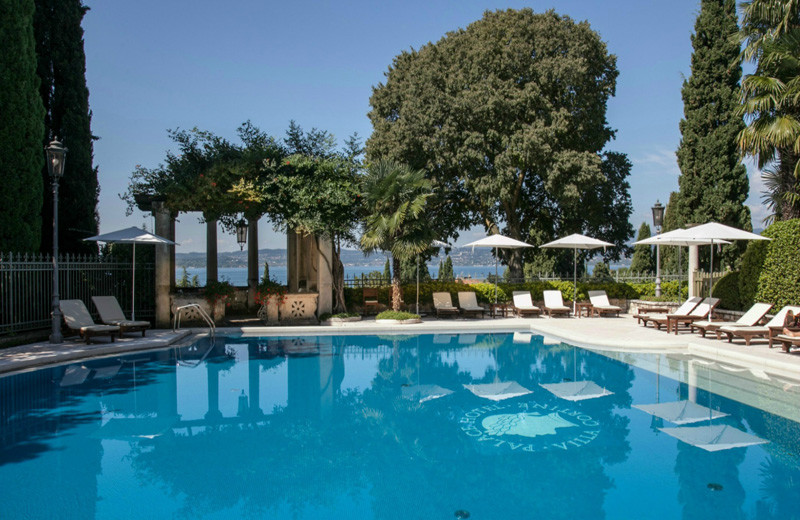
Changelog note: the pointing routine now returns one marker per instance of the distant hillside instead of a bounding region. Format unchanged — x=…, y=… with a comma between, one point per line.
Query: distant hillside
x=277, y=257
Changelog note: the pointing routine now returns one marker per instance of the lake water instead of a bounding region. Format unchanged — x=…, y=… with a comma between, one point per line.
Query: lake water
x=237, y=276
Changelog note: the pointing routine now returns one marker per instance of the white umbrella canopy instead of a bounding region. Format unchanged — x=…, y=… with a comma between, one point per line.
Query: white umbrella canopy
x=676, y=237
x=716, y=233
x=131, y=235
x=497, y=241
x=576, y=241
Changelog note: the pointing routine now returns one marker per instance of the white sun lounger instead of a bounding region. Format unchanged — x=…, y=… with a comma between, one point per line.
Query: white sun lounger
x=554, y=304
x=523, y=304
x=111, y=314
x=748, y=319
x=601, y=305
x=77, y=318
x=468, y=303
x=771, y=329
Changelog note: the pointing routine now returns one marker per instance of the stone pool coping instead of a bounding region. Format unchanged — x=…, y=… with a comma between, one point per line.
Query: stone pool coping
x=601, y=334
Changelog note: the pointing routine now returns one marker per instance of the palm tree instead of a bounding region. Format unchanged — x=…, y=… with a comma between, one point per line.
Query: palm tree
x=395, y=197
x=771, y=99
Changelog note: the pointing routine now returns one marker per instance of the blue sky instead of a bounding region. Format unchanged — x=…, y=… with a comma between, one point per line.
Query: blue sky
x=154, y=65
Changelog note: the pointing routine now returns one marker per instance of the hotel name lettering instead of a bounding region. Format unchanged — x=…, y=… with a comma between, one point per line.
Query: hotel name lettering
x=529, y=427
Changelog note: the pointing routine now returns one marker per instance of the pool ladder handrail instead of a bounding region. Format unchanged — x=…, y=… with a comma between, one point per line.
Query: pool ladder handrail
x=176, y=320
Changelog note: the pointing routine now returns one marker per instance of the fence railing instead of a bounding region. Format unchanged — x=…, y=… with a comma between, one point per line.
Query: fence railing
x=631, y=277
x=26, y=282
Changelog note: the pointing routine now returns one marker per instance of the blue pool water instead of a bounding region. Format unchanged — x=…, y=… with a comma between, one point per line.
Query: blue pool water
x=388, y=427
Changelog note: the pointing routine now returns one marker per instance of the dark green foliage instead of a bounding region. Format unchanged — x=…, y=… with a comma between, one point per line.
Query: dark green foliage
x=752, y=264
x=602, y=273
x=713, y=182
x=727, y=290
x=21, y=130
x=507, y=118
x=643, y=260
x=446, y=271
x=408, y=271
x=62, y=70
x=387, y=269
x=779, y=282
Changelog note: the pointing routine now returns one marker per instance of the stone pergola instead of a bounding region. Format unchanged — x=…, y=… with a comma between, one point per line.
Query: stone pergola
x=308, y=262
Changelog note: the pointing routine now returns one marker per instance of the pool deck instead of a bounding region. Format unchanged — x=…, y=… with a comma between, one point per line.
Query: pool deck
x=604, y=334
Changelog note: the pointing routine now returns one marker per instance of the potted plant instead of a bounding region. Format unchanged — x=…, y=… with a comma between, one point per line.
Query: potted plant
x=217, y=295
x=269, y=295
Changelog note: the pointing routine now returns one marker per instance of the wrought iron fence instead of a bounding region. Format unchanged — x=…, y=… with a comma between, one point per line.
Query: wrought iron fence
x=26, y=287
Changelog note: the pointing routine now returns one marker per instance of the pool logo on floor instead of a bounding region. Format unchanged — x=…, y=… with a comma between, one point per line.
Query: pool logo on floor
x=529, y=427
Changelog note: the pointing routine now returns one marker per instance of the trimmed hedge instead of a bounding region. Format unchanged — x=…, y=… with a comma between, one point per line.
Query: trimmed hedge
x=485, y=291
x=727, y=290
x=752, y=264
x=779, y=280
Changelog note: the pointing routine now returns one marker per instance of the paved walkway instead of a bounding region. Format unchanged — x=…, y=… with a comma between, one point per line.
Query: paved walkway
x=604, y=334
x=35, y=355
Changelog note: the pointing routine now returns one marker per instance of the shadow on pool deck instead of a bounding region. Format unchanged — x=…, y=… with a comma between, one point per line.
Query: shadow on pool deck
x=612, y=334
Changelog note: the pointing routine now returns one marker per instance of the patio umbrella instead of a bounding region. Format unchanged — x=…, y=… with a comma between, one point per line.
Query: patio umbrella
x=576, y=241
x=714, y=438
x=680, y=412
x=716, y=233
x=676, y=238
x=497, y=241
x=576, y=390
x=131, y=235
x=435, y=243
x=498, y=391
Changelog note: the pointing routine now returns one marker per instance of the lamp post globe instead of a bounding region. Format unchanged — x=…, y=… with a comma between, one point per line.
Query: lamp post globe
x=56, y=155
x=658, y=221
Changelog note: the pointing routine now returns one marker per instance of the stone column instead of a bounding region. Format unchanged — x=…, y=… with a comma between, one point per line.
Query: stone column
x=211, y=250
x=291, y=261
x=252, y=261
x=171, y=236
x=325, y=277
x=694, y=265
x=165, y=268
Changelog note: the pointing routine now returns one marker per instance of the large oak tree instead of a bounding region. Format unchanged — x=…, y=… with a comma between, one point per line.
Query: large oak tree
x=508, y=119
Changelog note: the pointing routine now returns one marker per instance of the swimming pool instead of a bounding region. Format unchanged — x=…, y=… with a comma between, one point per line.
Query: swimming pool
x=484, y=426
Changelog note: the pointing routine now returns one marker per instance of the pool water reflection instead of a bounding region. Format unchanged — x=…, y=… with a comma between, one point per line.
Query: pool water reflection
x=381, y=427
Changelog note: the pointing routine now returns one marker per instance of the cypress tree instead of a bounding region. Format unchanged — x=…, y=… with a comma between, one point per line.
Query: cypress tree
x=62, y=71
x=387, y=270
x=21, y=130
x=643, y=260
x=713, y=182
x=446, y=272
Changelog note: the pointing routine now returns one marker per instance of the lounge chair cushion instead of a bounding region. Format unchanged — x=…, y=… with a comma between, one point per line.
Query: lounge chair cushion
x=468, y=302
x=553, y=301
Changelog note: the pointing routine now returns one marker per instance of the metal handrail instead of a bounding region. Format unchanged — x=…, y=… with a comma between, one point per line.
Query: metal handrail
x=176, y=320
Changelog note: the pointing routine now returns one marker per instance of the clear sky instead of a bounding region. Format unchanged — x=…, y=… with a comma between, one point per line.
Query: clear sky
x=154, y=65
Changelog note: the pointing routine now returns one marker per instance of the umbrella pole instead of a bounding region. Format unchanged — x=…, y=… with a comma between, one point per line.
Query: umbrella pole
x=417, y=284
x=133, y=284
x=495, y=276
x=711, y=282
x=575, y=280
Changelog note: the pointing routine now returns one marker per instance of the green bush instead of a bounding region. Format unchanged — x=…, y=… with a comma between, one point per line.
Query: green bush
x=752, y=264
x=727, y=290
x=779, y=280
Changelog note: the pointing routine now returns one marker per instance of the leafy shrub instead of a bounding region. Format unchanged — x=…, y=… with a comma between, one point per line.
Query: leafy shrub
x=216, y=291
x=779, y=281
x=396, y=315
x=752, y=264
x=727, y=290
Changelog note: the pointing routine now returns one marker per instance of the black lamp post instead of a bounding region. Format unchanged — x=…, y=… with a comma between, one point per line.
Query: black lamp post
x=56, y=155
x=241, y=233
x=658, y=221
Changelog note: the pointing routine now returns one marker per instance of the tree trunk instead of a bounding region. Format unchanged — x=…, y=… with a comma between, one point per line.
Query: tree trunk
x=397, y=290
